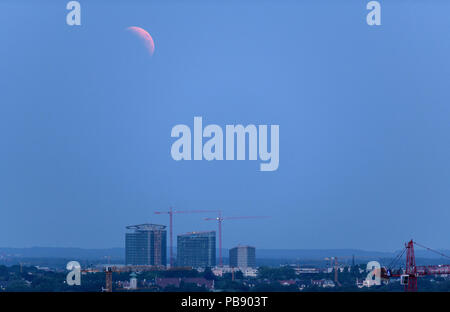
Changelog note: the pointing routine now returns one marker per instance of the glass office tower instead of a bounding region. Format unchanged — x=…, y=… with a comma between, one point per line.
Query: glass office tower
x=196, y=249
x=146, y=245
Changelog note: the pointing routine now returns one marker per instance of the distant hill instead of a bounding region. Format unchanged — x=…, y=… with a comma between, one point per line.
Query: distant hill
x=57, y=252
x=320, y=254
x=316, y=254
x=119, y=253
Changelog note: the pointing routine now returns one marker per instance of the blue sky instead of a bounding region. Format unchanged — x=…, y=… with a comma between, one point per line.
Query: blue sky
x=86, y=115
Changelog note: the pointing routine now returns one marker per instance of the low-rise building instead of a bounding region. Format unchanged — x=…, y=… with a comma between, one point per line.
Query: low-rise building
x=176, y=282
x=325, y=283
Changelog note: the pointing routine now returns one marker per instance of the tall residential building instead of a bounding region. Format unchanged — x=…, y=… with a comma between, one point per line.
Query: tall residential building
x=146, y=245
x=243, y=257
x=197, y=249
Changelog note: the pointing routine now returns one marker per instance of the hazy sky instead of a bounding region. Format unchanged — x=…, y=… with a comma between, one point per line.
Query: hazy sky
x=364, y=115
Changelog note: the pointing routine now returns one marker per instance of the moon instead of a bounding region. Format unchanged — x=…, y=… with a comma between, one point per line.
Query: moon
x=145, y=36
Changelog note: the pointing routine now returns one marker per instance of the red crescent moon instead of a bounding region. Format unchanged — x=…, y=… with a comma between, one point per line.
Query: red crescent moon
x=142, y=33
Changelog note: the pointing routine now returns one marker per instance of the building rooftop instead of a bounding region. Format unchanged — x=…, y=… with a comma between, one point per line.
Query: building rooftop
x=243, y=246
x=199, y=233
x=146, y=227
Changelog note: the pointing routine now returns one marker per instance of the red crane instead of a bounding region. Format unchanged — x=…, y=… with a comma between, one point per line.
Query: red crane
x=412, y=271
x=219, y=220
x=171, y=212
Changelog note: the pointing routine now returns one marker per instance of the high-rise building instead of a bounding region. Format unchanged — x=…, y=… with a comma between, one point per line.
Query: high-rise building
x=197, y=249
x=146, y=245
x=243, y=257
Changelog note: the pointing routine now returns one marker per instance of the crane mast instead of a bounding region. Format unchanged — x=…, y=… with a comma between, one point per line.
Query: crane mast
x=171, y=212
x=413, y=271
x=219, y=220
